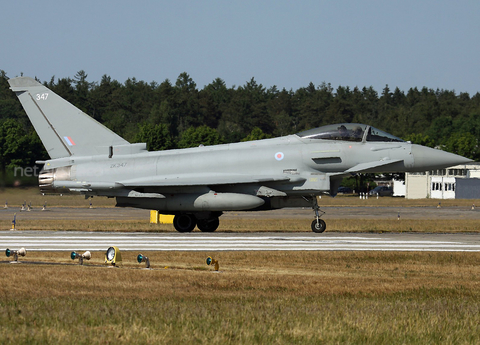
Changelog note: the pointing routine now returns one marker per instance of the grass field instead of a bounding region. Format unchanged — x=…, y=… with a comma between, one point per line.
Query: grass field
x=257, y=297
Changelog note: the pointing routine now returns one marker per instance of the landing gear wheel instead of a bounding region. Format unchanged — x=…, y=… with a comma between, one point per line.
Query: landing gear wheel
x=318, y=226
x=208, y=225
x=184, y=222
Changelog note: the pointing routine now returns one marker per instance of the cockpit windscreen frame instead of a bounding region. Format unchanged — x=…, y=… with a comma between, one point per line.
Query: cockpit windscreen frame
x=349, y=132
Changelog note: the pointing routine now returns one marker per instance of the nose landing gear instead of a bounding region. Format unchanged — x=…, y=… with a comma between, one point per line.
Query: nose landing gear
x=318, y=225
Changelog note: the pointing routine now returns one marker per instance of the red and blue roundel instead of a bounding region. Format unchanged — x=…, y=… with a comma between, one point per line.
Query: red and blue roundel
x=279, y=156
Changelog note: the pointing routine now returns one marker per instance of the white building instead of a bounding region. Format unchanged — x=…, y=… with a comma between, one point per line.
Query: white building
x=399, y=188
x=442, y=183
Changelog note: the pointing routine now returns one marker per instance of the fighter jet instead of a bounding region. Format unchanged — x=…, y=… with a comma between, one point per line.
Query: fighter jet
x=197, y=185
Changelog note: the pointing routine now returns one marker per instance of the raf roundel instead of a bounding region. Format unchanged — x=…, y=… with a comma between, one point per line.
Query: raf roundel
x=279, y=156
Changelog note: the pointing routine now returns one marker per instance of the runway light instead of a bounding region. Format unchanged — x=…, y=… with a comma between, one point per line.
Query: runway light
x=16, y=253
x=113, y=256
x=87, y=256
x=211, y=261
x=142, y=258
x=14, y=221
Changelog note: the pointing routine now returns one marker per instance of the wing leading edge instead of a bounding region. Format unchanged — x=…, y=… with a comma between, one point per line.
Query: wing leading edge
x=202, y=180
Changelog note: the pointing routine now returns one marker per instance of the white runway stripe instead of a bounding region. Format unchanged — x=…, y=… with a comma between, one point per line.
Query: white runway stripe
x=222, y=241
x=50, y=240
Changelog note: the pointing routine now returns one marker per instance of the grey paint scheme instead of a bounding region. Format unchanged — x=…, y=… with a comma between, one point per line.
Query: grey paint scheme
x=88, y=158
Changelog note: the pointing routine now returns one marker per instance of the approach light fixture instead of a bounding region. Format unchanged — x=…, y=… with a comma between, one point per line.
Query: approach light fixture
x=16, y=253
x=14, y=221
x=142, y=258
x=113, y=256
x=211, y=261
x=87, y=256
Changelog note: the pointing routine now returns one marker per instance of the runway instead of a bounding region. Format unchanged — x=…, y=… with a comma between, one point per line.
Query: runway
x=100, y=241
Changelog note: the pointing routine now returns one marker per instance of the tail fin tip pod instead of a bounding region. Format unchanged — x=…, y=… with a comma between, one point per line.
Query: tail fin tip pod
x=63, y=128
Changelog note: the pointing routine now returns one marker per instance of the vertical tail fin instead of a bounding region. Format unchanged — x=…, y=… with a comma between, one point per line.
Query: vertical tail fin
x=63, y=128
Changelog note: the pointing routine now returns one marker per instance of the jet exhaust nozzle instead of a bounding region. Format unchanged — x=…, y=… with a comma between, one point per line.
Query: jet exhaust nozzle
x=48, y=177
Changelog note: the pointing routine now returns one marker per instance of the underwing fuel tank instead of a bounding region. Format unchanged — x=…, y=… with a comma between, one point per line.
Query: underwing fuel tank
x=195, y=202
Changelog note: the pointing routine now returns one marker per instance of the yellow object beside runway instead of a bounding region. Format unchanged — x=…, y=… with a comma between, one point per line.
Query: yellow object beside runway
x=166, y=218
x=156, y=218
x=113, y=256
x=153, y=217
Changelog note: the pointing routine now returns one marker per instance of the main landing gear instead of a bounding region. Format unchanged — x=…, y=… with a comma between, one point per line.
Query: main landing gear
x=186, y=223
x=318, y=225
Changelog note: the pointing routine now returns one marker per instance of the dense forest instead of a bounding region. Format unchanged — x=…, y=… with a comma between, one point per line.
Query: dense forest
x=178, y=115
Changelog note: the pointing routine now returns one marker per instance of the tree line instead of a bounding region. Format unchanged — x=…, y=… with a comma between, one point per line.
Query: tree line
x=177, y=115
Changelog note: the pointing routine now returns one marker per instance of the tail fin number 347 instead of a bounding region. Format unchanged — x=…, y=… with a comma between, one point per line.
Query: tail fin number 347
x=41, y=96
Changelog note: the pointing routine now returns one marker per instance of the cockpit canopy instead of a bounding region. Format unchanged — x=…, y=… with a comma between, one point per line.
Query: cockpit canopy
x=348, y=132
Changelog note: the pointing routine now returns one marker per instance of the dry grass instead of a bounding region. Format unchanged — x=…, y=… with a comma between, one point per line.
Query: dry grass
x=92, y=225
x=354, y=225
x=404, y=225
x=258, y=297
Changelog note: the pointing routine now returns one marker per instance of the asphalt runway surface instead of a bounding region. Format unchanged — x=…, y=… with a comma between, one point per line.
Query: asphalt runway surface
x=331, y=212
x=100, y=241
x=196, y=241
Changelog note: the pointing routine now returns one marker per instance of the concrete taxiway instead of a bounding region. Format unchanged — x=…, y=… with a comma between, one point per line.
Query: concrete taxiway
x=74, y=240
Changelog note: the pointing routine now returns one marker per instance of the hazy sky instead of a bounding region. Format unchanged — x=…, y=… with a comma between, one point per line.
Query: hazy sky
x=284, y=43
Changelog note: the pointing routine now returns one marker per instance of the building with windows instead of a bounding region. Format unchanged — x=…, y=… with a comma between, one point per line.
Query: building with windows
x=457, y=182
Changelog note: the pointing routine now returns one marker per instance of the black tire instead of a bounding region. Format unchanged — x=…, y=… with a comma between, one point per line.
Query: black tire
x=184, y=222
x=319, y=226
x=208, y=225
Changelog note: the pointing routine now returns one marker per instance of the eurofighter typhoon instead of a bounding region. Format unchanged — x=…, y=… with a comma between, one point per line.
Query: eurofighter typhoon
x=197, y=185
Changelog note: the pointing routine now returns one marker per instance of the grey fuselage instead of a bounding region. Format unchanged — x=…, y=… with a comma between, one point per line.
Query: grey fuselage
x=263, y=174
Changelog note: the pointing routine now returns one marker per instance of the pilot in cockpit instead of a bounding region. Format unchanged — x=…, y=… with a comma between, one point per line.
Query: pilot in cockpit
x=342, y=133
x=358, y=132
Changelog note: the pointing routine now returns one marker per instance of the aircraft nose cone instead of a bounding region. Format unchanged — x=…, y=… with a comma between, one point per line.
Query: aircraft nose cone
x=426, y=158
